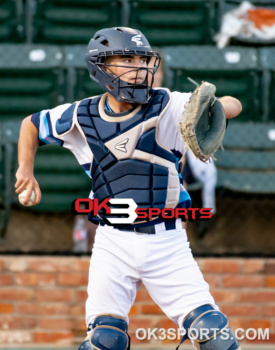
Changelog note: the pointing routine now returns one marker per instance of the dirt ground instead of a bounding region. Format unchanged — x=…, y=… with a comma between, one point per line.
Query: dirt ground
x=243, y=225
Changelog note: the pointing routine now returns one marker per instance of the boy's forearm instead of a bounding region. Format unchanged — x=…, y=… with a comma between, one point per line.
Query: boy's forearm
x=27, y=144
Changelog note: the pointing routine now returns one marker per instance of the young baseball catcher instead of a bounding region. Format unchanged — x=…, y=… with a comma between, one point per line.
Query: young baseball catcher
x=129, y=141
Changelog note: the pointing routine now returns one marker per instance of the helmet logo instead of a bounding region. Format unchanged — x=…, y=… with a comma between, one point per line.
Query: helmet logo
x=137, y=40
x=121, y=146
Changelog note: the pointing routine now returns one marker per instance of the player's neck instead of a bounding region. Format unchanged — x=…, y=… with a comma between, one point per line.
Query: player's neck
x=118, y=106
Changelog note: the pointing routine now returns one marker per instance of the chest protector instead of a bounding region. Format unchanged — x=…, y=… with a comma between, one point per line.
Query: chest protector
x=128, y=161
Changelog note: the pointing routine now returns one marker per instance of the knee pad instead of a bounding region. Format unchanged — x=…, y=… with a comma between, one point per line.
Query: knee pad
x=208, y=329
x=109, y=333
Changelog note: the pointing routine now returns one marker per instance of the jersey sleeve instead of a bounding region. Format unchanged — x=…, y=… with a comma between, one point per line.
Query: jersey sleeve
x=56, y=126
x=169, y=130
x=178, y=101
x=47, y=124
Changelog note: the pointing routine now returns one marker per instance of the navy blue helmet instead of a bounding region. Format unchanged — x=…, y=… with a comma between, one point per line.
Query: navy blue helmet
x=120, y=41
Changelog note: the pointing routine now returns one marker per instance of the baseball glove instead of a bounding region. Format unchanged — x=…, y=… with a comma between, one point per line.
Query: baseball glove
x=203, y=124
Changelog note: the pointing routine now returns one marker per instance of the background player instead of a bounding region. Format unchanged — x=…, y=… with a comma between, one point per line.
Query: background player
x=129, y=142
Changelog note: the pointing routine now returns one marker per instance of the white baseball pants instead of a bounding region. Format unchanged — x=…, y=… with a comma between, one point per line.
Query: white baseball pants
x=121, y=260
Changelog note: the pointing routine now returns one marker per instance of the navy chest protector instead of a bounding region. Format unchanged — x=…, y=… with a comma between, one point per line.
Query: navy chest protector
x=128, y=162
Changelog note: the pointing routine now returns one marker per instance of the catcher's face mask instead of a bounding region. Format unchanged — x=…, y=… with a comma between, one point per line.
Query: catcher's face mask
x=122, y=62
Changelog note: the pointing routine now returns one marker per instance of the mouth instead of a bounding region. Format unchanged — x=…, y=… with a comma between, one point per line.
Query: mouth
x=136, y=81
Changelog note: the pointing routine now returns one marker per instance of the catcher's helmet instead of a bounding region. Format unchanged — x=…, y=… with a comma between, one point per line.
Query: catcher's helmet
x=121, y=41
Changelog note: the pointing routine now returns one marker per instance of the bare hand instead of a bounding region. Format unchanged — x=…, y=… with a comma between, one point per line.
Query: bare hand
x=27, y=181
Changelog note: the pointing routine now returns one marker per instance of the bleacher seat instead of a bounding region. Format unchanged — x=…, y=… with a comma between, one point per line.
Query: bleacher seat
x=248, y=161
x=233, y=70
x=72, y=21
x=11, y=21
x=31, y=79
x=175, y=22
x=78, y=83
x=267, y=66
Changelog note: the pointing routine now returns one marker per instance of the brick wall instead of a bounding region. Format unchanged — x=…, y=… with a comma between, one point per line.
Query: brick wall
x=42, y=299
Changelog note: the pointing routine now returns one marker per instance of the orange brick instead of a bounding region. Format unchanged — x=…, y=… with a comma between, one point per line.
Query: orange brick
x=250, y=323
x=269, y=267
x=241, y=310
x=16, y=294
x=51, y=264
x=17, y=264
x=151, y=309
x=213, y=280
x=44, y=309
x=2, y=265
x=15, y=337
x=6, y=279
x=257, y=297
x=12, y=322
x=271, y=339
x=270, y=281
x=243, y=281
x=77, y=310
x=72, y=279
x=136, y=341
x=268, y=310
x=136, y=323
x=166, y=323
x=55, y=309
x=81, y=295
x=253, y=266
x=221, y=266
x=27, y=308
x=54, y=295
x=133, y=310
x=65, y=338
x=80, y=325
x=35, y=279
x=143, y=295
x=200, y=262
x=225, y=295
x=81, y=265
x=6, y=309
x=55, y=323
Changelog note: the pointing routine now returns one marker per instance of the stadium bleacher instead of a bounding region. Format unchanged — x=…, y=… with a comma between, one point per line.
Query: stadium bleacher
x=31, y=79
x=172, y=22
x=248, y=161
x=234, y=71
x=71, y=21
x=267, y=67
x=12, y=27
x=78, y=83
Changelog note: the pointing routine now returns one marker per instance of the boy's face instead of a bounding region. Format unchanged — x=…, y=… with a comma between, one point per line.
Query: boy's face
x=126, y=66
